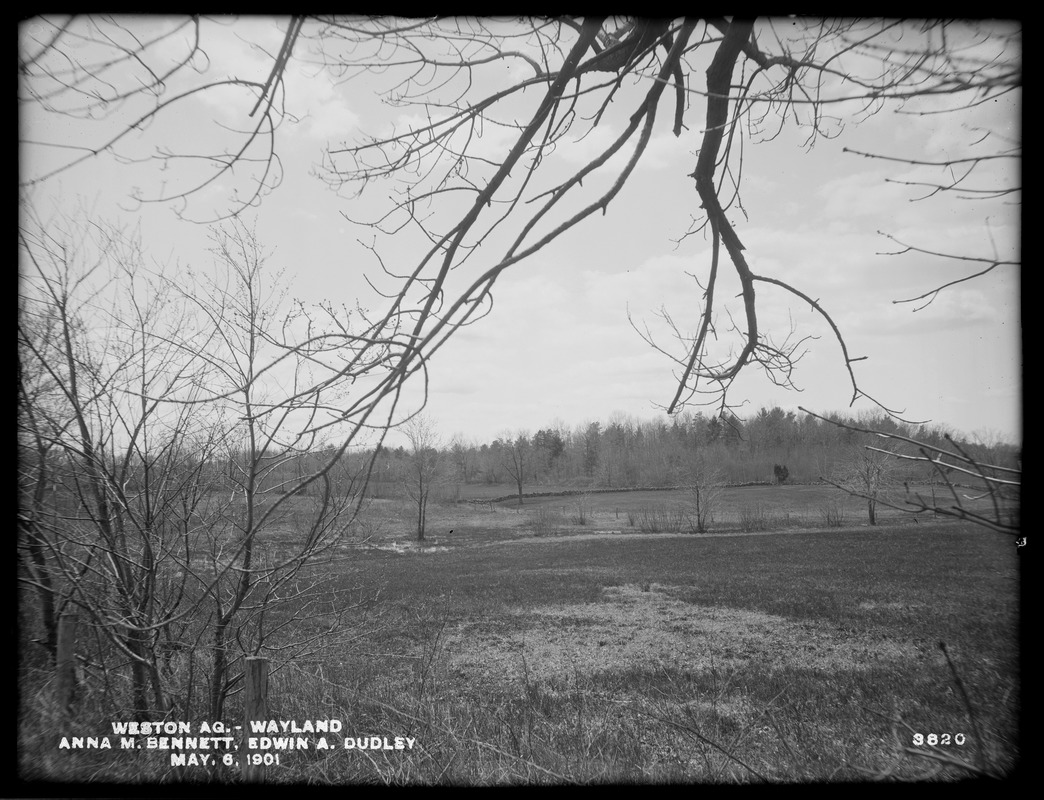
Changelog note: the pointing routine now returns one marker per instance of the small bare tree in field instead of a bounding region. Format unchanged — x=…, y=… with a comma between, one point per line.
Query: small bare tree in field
x=463, y=457
x=867, y=474
x=422, y=468
x=516, y=459
x=705, y=485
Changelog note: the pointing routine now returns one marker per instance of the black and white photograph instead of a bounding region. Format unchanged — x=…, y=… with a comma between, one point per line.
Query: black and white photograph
x=518, y=401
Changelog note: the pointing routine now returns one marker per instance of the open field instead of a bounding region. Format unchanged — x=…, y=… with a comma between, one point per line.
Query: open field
x=516, y=650
x=761, y=508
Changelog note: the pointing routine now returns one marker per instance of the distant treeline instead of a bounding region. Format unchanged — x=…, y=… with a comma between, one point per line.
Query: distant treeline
x=659, y=453
x=626, y=453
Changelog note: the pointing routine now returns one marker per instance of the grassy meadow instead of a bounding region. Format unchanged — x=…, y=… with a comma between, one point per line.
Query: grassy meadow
x=566, y=641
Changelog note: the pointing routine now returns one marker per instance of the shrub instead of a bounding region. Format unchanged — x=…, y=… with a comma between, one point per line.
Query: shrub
x=661, y=519
x=753, y=518
x=548, y=521
x=833, y=515
x=781, y=472
x=705, y=484
x=583, y=509
x=758, y=517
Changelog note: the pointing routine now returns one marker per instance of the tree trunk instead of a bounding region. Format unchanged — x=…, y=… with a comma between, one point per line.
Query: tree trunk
x=135, y=641
x=37, y=568
x=217, y=685
x=422, y=514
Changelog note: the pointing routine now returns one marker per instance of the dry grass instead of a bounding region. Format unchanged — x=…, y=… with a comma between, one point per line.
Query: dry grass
x=629, y=628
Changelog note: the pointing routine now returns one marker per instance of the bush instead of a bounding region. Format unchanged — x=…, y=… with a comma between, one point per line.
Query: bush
x=833, y=515
x=661, y=519
x=753, y=518
x=759, y=518
x=705, y=491
x=548, y=521
x=583, y=509
x=781, y=472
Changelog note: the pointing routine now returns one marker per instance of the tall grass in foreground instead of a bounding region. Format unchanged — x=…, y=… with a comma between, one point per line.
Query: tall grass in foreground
x=644, y=724
x=759, y=712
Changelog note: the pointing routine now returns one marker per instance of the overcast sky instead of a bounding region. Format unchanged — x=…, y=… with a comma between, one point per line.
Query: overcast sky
x=558, y=346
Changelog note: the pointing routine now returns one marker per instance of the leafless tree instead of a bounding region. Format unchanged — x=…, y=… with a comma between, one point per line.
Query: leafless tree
x=728, y=81
x=115, y=474
x=275, y=420
x=515, y=453
x=464, y=456
x=705, y=484
x=157, y=473
x=422, y=468
x=867, y=474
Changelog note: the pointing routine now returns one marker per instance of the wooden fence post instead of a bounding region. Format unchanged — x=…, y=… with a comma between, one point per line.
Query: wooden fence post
x=66, y=663
x=255, y=707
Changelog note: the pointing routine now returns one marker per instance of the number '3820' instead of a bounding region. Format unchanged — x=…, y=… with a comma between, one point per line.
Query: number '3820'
x=938, y=738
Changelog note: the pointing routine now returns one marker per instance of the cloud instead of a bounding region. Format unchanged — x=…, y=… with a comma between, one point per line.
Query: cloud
x=952, y=309
x=858, y=196
x=330, y=119
x=320, y=104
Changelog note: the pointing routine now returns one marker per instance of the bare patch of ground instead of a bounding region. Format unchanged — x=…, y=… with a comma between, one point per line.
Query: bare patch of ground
x=409, y=547
x=587, y=533
x=630, y=628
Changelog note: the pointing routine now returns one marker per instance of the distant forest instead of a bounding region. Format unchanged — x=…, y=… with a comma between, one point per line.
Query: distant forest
x=769, y=446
